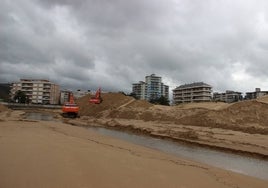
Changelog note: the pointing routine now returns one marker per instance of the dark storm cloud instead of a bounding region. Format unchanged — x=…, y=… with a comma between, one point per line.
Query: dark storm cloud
x=87, y=44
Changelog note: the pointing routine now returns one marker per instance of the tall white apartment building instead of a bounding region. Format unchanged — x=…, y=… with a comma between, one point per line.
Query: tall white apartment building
x=195, y=92
x=152, y=88
x=37, y=91
x=165, y=90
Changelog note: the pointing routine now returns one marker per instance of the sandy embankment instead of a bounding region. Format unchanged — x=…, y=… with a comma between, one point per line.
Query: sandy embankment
x=51, y=154
x=239, y=127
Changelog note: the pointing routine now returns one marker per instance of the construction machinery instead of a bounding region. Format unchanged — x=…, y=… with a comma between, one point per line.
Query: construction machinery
x=70, y=109
x=97, y=98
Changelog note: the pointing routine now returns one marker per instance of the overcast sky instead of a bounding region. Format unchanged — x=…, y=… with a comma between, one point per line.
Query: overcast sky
x=84, y=44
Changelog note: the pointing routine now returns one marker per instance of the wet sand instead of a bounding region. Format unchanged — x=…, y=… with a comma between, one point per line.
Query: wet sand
x=254, y=145
x=53, y=154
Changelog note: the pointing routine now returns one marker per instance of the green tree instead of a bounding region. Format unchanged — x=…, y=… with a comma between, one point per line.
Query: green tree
x=20, y=97
x=161, y=100
x=133, y=95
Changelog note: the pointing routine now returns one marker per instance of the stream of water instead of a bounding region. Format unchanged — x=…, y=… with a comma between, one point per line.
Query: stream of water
x=39, y=116
x=237, y=163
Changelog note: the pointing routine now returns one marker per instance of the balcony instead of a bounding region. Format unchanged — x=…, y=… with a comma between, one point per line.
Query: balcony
x=27, y=85
x=26, y=89
x=46, y=89
x=47, y=86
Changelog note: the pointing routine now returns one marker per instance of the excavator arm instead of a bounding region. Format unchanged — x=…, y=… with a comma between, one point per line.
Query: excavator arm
x=97, y=98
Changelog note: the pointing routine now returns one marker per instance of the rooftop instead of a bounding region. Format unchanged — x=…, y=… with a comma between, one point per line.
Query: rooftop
x=34, y=80
x=195, y=84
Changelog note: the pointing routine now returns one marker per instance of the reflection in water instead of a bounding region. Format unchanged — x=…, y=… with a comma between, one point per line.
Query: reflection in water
x=39, y=116
x=237, y=163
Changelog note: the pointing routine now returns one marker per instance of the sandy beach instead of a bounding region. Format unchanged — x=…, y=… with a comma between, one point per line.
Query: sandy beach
x=54, y=154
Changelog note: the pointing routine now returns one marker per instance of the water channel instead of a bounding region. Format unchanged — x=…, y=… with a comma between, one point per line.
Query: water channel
x=39, y=116
x=237, y=163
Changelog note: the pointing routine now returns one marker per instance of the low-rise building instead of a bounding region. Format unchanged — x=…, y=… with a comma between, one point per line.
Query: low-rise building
x=195, y=92
x=228, y=97
x=37, y=91
x=255, y=94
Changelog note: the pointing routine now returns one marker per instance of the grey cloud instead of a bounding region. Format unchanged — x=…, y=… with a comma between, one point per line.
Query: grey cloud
x=87, y=44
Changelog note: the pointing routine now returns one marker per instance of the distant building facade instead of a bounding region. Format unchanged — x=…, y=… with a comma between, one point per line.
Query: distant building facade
x=165, y=90
x=64, y=96
x=79, y=93
x=37, y=91
x=152, y=88
x=139, y=89
x=195, y=92
x=153, y=83
x=255, y=94
x=228, y=97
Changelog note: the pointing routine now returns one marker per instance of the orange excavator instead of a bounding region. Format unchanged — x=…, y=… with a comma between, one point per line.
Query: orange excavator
x=97, y=98
x=70, y=109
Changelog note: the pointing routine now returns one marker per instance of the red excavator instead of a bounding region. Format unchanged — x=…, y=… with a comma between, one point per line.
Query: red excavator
x=70, y=109
x=97, y=98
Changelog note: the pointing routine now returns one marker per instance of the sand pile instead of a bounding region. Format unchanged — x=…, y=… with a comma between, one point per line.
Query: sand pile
x=139, y=104
x=248, y=116
x=143, y=110
x=114, y=105
x=263, y=99
x=205, y=105
x=135, y=109
x=111, y=102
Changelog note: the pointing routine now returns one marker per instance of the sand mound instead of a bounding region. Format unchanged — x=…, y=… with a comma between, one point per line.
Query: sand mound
x=113, y=105
x=249, y=116
x=205, y=105
x=263, y=99
x=140, y=104
x=245, y=113
x=111, y=102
